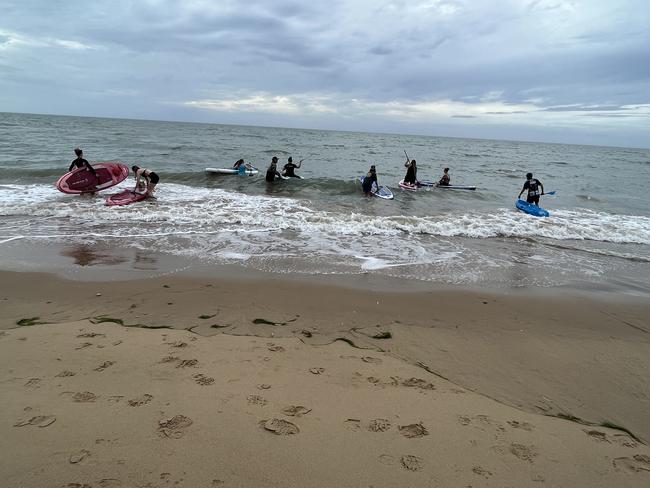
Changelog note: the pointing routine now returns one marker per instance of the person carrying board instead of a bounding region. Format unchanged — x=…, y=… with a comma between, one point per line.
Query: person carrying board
x=369, y=180
x=533, y=186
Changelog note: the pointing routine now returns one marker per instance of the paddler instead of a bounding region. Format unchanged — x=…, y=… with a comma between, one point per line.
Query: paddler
x=80, y=162
x=445, y=180
x=288, y=169
x=533, y=186
x=241, y=166
x=411, y=172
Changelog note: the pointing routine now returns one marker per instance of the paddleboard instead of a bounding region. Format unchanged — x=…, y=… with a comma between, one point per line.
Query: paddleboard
x=80, y=180
x=531, y=209
x=231, y=171
x=407, y=186
x=381, y=192
x=445, y=187
x=125, y=197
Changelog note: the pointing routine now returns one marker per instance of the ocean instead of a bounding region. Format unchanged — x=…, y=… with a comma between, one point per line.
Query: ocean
x=597, y=237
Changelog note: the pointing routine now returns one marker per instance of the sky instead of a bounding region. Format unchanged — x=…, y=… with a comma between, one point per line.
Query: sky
x=571, y=71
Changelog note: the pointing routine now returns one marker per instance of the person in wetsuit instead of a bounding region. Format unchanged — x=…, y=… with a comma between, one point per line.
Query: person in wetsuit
x=288, y=169
x=147, y=175
x=272, y=170
x=445, y=180
x=411, y=172
x=368, y=180
x=533, y=186
x=80, y=162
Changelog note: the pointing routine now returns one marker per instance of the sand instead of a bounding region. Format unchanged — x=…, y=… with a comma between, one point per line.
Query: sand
x=287, y=383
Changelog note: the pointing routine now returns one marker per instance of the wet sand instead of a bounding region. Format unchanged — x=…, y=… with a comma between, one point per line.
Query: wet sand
x=260, y=381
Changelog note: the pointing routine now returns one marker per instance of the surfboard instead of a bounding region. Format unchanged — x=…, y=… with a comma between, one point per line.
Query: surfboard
x=231, y=171
x=125, y=197
x=381, y=192
x=531, y=209
x=407, y=186
x=80, y=180
x=435, y=184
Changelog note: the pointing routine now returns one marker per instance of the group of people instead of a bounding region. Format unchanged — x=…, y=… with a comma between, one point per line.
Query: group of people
x=142, y=175
x=151, y=179
x=533, y=185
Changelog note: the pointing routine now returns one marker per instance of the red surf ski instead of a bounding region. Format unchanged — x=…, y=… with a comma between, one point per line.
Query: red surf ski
x=125, y=197
x=80, y=180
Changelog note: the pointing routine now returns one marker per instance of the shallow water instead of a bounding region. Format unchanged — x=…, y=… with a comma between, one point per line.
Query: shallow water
x=598, y=233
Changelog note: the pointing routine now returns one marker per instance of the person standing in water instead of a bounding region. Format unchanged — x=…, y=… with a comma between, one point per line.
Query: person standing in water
x=369, y=180
x=272, y=170
x=445, y=180
x=80, y=162
x=411, y=172
x=533, y=186
x=289, y=168
x=148, y=176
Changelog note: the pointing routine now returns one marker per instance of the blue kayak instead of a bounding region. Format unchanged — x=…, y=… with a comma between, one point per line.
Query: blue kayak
x=531, y=209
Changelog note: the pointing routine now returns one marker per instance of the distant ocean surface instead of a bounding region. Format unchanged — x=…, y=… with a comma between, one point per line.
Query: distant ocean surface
x=598, y=235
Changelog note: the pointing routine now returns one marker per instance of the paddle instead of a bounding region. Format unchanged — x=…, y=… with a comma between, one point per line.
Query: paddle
x=407, y=156
x=550, y=193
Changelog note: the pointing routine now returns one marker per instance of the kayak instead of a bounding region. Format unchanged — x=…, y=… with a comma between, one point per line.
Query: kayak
x=445, y=187
x=531, y=209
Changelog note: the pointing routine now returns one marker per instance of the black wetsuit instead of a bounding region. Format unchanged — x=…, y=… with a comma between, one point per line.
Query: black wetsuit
x=289, y=170
x=533, y=190
x=81, y=163
x=411, y=175
x=368, y=180
x=271, y=172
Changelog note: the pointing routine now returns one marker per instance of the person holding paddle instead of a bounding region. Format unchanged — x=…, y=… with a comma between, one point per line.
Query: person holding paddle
x=289, y=168
x=533, y=186
x=411, y=172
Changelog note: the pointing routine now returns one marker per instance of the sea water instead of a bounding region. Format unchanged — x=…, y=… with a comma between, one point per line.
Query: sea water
x=598, y=234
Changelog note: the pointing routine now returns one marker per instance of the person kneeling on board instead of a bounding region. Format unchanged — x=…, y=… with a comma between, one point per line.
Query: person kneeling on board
x=368, y=181
x=411, y=172
x=241, y=166
x=445, y=180
x=533, y=186
x=289, y=168
x=147, y=175
x=80, y=162
x=272, y=170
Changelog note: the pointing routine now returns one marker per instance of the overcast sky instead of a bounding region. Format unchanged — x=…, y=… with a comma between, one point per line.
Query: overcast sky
x=545, y=70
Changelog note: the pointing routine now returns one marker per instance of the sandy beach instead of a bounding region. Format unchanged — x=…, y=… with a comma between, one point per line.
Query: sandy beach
x=190, y=381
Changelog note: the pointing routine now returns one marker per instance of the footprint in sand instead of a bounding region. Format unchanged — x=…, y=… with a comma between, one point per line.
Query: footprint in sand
x=525, y=453
x=274, y=348
x=33, y=383
x=387, y=459
x=317, y=370
x=411, y=463
x=280, y=427
x=263, y=386
x=413, y=431
x=110, y=483
x=597, y=435
x=464, y=420
x=369, y=359
x=418, y=383
x=83, y=346
x=353, y=424
x=178, y=344
x=104, y=365
x=295, y=410
x=141, y=400
x=373, y=380
x=521, y=425
x=84, y=397
x=639, y=463
x=91, y=334
x=481, y=471
x=174, y=427
x=65, y=373
x=169, y=359
x=203, y=380
x=379, y=425
x=187, y=363
x=256, y=400
x=79, y=456
x=78, y=485
x=38, y=421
